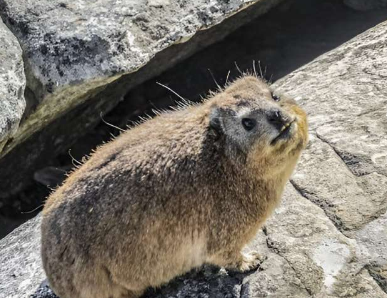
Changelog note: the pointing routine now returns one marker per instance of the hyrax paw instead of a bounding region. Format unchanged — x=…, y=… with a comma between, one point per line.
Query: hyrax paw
x=250, y=261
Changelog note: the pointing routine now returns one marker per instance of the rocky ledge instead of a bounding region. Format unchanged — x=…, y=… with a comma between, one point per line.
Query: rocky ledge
x=84, y=57
x=328, y=237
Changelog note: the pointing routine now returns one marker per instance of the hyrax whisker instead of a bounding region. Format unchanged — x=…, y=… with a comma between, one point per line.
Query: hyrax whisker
x=213, y=78
x=109, y=124
x=174, y=92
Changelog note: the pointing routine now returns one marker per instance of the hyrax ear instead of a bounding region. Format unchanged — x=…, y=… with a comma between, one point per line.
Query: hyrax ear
x=215, y=124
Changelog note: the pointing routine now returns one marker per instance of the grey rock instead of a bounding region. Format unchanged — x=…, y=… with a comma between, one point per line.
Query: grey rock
x=344, y=168
x=326, y=262
x=82, y=60
x=327, y=238
x=379, y=273
x=74, y=47
x=275, y=279
x=12, y=84
x=373, y=237
x=366, y=4
x=44, y=291
x=348, y=200
x=21, y=267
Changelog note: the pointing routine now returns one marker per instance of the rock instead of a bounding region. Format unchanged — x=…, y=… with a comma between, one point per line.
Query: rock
x=84, y=58
x=328, y=237
x=373, y=237
x=12, y=84
x=20, y=263
x=44, y=291
x=343, y=169
x=348, y=200
x=366, y=4
x=342, y=91
x=326, y=262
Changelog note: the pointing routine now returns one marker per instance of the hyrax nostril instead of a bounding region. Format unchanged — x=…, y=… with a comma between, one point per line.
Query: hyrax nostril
x=276, y=118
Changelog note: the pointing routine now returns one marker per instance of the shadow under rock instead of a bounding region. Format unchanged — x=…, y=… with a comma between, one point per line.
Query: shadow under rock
x=288, y=37
x=209, y=281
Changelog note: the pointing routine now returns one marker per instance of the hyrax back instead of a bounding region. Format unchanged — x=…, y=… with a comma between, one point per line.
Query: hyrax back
x=185, y=188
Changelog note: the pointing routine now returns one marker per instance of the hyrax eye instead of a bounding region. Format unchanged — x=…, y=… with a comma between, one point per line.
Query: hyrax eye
x=248, y=123
x=275, y=97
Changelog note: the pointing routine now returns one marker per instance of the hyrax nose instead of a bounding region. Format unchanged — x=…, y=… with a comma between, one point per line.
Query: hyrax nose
x=277, y=118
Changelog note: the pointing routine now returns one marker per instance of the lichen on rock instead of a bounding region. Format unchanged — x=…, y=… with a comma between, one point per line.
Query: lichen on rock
x=12, y=84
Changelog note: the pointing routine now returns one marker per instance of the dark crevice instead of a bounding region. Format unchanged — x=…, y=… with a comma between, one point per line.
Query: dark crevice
x=375, y=273
x=242, y=289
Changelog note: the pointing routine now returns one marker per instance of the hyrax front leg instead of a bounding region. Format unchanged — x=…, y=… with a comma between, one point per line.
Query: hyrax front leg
x=238, y=260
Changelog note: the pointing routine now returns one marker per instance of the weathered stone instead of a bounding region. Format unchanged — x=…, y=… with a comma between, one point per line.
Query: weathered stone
x=373, y=237
x=325, y=261
x=74, y=47
x=328, y=237
x=379, y=273
x=348, y=200
x=366, y=4
x=21, y=267
x=343, y=91
x=86, y=57
x=12, y=84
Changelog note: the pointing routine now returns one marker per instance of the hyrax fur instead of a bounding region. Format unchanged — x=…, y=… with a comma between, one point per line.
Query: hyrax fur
x=185, y=188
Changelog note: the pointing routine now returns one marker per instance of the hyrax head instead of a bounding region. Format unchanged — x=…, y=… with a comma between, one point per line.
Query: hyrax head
x=257, y=124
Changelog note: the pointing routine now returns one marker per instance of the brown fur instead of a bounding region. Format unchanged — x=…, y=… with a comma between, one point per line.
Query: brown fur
x=185, y=188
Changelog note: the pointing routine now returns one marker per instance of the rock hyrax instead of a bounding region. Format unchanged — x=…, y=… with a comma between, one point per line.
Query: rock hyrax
x=185, y=188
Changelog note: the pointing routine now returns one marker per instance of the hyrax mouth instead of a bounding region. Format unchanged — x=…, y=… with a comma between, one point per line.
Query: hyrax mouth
x=285, y=132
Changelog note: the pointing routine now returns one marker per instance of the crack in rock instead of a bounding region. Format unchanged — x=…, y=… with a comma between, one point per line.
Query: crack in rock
x=298, y=275
x=358, y=166
x=322, y=205
x=379, y=274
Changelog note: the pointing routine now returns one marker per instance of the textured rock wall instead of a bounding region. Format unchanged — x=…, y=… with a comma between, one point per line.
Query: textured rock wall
x=12, y=84
x=343, y=171
x=74, y=47
x=84, y=58
x=328, y=237
x=21, y=266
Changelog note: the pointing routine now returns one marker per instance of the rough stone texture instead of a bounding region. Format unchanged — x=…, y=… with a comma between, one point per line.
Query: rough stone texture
x=328, y=237
x=344, y=94
x=12, y=84
x=349, y=201
x=308, y=257
x=366, y=4
x=84, y=58
x=290, y=35
x=344, y=167
x=21, y=268
x=373, y=237
x=74, y=47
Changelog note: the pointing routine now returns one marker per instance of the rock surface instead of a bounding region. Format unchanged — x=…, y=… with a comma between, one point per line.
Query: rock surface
x=328, y=237
x=348, y=84
x=21, y=267
x=84, y=58
x=344, y=168
x=12, y=84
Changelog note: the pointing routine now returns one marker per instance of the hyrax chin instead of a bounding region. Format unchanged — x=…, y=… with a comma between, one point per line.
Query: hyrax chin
x=188, y=187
